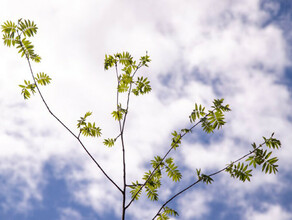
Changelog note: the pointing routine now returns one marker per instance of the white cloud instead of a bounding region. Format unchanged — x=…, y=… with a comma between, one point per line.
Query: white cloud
x=269, y=212
x=222, y=42
x=195, y=204
x=69, y=213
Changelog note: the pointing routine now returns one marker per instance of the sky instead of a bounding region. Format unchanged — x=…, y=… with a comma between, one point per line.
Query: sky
x=200, y=50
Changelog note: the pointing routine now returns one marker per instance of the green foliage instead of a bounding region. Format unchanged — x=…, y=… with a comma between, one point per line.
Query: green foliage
x=109, y=61
x=18, y=34
x=272, y=142
x=145, y=60
x=109, y=142
x=27, y=27
x=172, y=170
x=124, y=83
x=157, y=162
x=142, y=86
x=203, y=177
x=118, y=115
x=136, y=190
x=185, y=130
x=27, y=88
x=258, y=157
x=9, y=39
x=219, y=107
x=88, y=129
x=206, y=125
x=9, y=29
x=261, y=156
x=198, y=112
x=213, y=119
x=43, y=79
x=129, y=69
x=166, y=213
x=153, y=184
x=122, y=58
x=270, y=166
x=176, y=140
x=216, y=119
x=239, y=171
x=12, y=36
x=82, y=120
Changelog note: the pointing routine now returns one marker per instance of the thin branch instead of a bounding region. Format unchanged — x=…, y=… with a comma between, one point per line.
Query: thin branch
x=122, y=127
x=199, y=180
x=123, y=149
x=128, y=99
x=152, y=173
x=77, y=137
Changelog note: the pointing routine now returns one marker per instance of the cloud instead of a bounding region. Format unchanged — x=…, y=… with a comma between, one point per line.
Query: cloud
x=199, y=51
x=269, y=212
x=195, y=204
x=69, y=213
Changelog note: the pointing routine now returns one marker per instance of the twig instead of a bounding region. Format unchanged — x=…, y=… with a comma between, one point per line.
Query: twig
x=199, y=180
x=77, y=137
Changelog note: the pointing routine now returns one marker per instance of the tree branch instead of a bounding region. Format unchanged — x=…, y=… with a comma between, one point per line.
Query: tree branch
x=77, y=137
x=199, y=180
x=133, y=198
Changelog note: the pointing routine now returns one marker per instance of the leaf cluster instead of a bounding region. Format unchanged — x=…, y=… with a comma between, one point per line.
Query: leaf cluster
x=154, y=178
x=136, y=190
x=43, y=79
x=87, y=128
x=27, y=89
x=130, y=66
x=123, y=58
x=166, y=213
x=258, y=157
x=12, y=34
x=145, y=60
x=124, y=82
x=176, y=139
x=198, y=112
x=118, y=115
x=142, y=86
x=109, y=142
x=262, y=157
x=203, y=177
x=213, y=119
x=239, y=171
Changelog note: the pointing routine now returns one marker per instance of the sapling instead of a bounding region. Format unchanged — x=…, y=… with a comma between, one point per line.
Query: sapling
x=129, y=83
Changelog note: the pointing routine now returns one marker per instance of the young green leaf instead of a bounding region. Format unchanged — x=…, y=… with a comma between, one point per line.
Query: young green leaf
x=135, y=189
x=176, y=140
x=27, y=88
x=172, y=170
x=27, y=27
x=90, y=130
x=142, y=86
x=43, y=79
x=109, y=142
x=9, y=28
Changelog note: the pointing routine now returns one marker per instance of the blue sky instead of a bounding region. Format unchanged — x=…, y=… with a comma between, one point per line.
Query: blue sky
x=200, y=50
